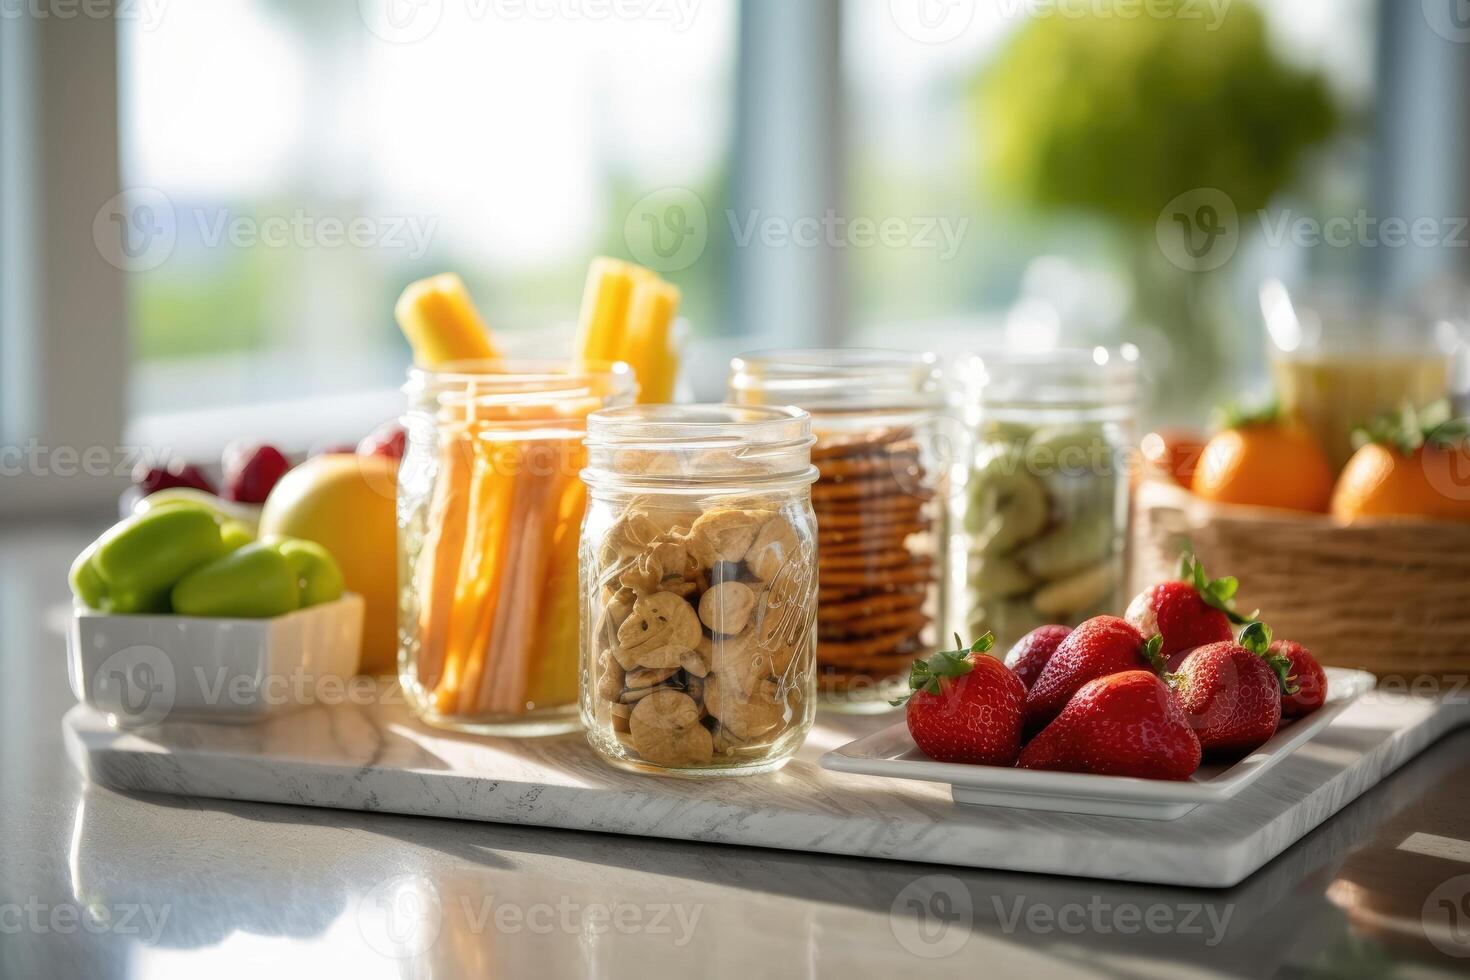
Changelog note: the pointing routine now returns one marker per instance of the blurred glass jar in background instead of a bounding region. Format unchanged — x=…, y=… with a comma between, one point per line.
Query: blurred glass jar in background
x=1041, y=524
x=698, y=588
x=886, y=445
x=1338, y=362
x=490, y=508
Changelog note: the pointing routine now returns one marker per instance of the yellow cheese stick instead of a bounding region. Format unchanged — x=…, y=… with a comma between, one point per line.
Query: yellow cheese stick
x=649, y=344
x=441, y=323
x=604, y=313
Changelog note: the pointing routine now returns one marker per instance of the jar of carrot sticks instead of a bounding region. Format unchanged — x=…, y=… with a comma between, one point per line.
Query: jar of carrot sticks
x=885, y=447
x=699, y=588
x=490, y=508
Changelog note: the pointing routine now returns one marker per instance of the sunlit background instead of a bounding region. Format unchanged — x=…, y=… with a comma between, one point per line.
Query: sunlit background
x=510, y=142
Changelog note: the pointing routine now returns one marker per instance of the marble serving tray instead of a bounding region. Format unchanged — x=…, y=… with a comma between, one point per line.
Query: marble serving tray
x=378, y=758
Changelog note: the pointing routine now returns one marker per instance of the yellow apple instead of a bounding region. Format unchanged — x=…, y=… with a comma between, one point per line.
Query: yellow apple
x=348, y=505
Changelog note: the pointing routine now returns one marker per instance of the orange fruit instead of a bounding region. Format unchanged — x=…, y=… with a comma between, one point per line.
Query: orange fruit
x=348, y=505
x=1383, y=481
x=1173, y=454
x=1267, y=464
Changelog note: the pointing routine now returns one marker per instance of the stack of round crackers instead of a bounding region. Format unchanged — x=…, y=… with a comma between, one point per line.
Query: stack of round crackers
x=876, y=570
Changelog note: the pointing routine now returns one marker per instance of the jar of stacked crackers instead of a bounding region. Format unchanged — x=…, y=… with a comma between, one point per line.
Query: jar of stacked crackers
x=883, y=455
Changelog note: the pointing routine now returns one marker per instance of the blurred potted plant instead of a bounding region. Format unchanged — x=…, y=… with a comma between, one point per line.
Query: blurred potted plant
x=1130, y=113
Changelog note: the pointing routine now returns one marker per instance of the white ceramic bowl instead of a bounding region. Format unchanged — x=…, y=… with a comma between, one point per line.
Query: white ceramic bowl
x=141, y=670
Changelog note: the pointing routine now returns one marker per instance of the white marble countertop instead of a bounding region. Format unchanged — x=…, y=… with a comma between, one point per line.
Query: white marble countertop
x=101, y=884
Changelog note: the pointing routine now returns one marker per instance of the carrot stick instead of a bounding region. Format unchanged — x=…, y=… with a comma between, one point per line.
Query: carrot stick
x=554, y=674
x=486, y=566
x=495, y=692
x=442, y=550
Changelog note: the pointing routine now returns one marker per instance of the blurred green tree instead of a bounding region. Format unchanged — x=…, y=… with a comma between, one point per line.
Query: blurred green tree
x=1118, y=107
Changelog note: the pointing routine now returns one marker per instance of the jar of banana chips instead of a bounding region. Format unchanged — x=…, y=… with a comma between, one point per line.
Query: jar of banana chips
x=698, y=587
x=1044, y=512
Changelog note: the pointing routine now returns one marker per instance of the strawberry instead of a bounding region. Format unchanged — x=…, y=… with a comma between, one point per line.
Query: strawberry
x=1231, y=693
x=1101, y=646
x=1308, y=676
x=1125, y=724
x=965, y=706
x=1033, y=650
x=1188, y=613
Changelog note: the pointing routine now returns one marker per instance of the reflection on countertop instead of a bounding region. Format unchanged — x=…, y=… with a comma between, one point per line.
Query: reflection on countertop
x=96, y=883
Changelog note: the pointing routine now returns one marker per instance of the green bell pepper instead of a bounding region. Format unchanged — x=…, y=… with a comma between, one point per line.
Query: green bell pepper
x=262, y=579
x=236, y=534
x=317, y=572
x=254, y=582
x=134, y=565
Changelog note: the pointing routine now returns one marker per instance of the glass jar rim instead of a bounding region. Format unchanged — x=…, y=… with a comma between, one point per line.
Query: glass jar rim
x=841, y=378
x=717, y=443
x=1065, y=376
x=521, y=374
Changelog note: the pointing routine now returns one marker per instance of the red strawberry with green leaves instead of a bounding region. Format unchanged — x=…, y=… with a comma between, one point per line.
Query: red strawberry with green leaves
x=1306, y=674
x=1032, y=651
x=1193, y=611
x=966, y=706
x=1231, y=693
x=1125, y=724
x=1101, y=646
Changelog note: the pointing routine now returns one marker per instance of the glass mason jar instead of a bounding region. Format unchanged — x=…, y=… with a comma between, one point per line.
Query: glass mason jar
x=698, y=588
x=489, y=513
x=1044, y=513
x=882, y=451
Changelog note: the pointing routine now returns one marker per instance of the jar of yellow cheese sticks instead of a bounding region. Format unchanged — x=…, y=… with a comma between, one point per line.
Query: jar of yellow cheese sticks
x=699, y=588
x=490, y=506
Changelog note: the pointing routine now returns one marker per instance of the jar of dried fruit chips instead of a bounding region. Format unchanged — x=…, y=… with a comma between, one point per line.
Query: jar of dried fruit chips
x=1044, y=512
x=698, y=587
x=885, y=446
x=490, y=508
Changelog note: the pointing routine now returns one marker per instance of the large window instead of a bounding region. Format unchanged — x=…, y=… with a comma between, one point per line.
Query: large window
x=301, y=162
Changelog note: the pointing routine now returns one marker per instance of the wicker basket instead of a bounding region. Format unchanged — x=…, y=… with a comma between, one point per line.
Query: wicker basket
x=1392, y=597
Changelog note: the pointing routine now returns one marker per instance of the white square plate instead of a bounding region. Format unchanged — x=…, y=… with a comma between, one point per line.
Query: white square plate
x=891, y=752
